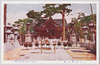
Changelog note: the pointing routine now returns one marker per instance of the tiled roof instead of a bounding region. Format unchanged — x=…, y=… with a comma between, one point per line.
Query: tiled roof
x=58, y=21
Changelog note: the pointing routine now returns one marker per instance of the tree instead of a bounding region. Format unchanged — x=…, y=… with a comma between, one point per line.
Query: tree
x=22, y=23
x=34, y=15
x=51, y=9
x=63, y=8
x=79, y=24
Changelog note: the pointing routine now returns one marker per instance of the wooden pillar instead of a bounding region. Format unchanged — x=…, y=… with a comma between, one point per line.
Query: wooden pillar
x=5, y=11
x=41, y=46
x=54, y=48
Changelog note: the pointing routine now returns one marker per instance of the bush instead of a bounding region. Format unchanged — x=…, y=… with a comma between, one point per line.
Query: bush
x=30, y=45
x=59, y=43
x=69, y=44
x=54, y=44
x=48, y=44
x=36, y=44
x=25, y=45
x=65, y=44
x=42, y=44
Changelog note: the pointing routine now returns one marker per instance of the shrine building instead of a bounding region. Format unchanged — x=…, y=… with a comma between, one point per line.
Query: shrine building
x=52, y=28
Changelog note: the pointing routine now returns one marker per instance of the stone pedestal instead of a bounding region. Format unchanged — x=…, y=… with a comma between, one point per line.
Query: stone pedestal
x=92, y=43
x=8, y=46
x=85, y=43
x=73, y=38
x=16, y=43
x=28, y=39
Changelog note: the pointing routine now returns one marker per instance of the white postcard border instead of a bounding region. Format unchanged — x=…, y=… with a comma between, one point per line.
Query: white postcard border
x=50, y=62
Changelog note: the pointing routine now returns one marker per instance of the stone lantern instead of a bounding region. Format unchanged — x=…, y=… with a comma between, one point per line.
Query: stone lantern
x=92, y=31
x=8, y=32
x=28, y=39
x=20, y=35
x=28, y=27
x=92, y=44
x=16, y=43
x=68, y=35
x=85, y=32
x=8, y=45
x=73, y=35
x=32, y=33
x=15, y=31
x=72, y=26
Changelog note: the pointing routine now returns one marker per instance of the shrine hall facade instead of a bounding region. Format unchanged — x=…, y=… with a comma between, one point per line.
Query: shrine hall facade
x=52, y=28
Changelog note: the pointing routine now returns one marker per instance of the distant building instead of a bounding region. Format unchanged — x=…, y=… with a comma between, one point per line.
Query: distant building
x=51, y=28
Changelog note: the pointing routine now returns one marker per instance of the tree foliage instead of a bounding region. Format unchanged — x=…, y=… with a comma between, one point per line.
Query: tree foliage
x=51, y=9
x=22, y=24
x=34, y=15
x=64, y=7
x=78, y=24
x=39, y=23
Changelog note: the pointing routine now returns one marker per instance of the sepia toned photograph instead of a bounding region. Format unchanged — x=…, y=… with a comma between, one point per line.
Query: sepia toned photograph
x=58, y=32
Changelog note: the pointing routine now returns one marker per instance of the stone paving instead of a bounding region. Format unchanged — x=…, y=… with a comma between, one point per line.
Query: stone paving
x=80, y=53
x=69, y=53
x=47, y=55
x=15, y=53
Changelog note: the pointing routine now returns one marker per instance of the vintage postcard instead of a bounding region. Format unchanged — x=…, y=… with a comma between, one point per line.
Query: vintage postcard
x=50, y=32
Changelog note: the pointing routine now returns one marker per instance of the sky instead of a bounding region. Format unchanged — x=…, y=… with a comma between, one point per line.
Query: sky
x=18, y=11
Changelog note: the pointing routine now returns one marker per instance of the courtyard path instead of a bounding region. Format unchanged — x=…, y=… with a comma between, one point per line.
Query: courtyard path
x=15, y=54
x=75, y=53
x=80, y=53
x=47, y=55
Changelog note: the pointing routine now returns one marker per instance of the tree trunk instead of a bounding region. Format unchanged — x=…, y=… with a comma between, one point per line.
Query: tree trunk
x=5, y=9
x=63, y=22
x=76, y=31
